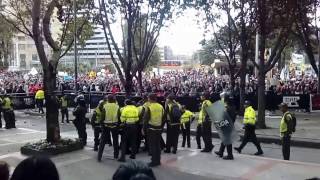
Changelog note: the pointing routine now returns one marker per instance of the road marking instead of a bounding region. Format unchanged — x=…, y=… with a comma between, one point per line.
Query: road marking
x=258, y=170
x=13, y=154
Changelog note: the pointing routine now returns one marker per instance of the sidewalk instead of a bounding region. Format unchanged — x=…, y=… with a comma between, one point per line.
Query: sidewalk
x=307, y=130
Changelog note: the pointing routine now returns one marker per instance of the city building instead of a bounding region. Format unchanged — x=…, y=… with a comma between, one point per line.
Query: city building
x=94, y=54
x=24, y=54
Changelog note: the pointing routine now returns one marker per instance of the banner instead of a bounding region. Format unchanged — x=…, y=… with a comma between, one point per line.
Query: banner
x=314, y=103
x=292, y=101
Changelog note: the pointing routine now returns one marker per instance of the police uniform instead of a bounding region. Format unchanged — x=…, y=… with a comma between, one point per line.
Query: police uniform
x=285, y=134
x=80, y=121
x=140, y=136
x=186, y=118
x=8, y=113
x=129, y=119
x=39, y=100
x=64, y=109
x=110, y=124
x=173, y=130
x=153, y=121
x=249, y=122
x=205, y=123
x=95, y=122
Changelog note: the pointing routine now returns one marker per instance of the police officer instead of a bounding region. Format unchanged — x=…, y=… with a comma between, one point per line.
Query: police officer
x=142, y=104
x=173, y=126
x=129, y=119
x=39, y=100
x=110, y=120
x=80, y=120
x=153, y=121
x=230, y=110
x=186, y=119
x=8, y=113
x=95, y=123
x=249, y=122
x=64, y=108
x=286, y=130
x=205, y=122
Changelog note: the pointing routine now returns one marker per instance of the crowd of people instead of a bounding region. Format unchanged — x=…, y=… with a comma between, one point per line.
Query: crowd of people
x=180, y=83
x=39, y=168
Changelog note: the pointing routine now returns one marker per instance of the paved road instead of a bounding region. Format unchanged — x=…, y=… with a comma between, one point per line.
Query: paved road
x=187, y=164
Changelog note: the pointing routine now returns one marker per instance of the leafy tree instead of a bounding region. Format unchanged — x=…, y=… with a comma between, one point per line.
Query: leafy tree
x=135, y=56
x=34, y=19
x=274, y=21
x=308, y=31
x=6, y=34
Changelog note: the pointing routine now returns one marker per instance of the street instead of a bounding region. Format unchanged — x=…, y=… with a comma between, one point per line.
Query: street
x=187, y=164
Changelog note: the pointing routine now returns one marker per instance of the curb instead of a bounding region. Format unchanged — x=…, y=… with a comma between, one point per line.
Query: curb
x=34, y=113
x=269, y=139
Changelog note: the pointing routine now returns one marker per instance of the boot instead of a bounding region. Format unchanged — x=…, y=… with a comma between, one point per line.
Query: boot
x=221, y=150
x=238, y=150
x=230, y=155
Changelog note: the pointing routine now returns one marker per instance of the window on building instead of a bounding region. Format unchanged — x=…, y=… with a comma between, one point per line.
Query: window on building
x=21, y=38
x=22, y=47
x=23, y=60
x=34, y=57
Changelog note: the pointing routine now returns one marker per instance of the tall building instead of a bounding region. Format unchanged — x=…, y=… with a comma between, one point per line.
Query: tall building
x=25, y=55
x=94, y=53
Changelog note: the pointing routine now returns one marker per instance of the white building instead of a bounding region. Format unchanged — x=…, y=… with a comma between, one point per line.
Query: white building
x=25, y=54
x=95, y=53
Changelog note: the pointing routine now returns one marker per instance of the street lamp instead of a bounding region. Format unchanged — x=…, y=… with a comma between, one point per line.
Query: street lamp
x=75, y=45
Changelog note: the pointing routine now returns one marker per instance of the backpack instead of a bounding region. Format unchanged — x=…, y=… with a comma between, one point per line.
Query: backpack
x=293, y=123
x=175, y=113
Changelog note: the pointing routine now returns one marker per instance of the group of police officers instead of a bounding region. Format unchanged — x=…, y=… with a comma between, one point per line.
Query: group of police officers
x=146, y=119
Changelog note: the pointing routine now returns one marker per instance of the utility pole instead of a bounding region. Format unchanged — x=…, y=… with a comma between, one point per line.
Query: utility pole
x=75, y=46
x=256, y=59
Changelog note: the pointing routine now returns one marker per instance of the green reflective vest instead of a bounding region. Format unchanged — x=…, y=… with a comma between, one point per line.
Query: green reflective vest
x=64, y=102
x=203, y=113
x=129, y=114
x=40, y=94
x=186, y=117
x=7, y=104
x=111, y=112
x=283, y=123
x=156, y=114
x=249, y=116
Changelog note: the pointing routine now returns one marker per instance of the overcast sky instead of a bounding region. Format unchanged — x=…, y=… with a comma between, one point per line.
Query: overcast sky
x=184, y=35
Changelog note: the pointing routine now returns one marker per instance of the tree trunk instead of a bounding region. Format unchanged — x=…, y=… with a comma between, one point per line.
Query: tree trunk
x=261, y=101
x=128, y=83
x=140, y=81
x=52, y=105
x=261, y=85
x=242, y=90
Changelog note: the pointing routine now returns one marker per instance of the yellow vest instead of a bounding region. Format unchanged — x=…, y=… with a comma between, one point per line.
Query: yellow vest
x=283, y=124
x=98, y=114
x=156, y=114
x=129, y=114
x=7, y=104
x=111, y=110
x=249, y=116
x=64, y=102
x=203, y=113
x=186, y=116
x=40, y=94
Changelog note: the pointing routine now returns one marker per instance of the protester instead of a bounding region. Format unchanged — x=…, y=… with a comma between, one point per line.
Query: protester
x=4, y=170
x=134, y=170
x=36, y=168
